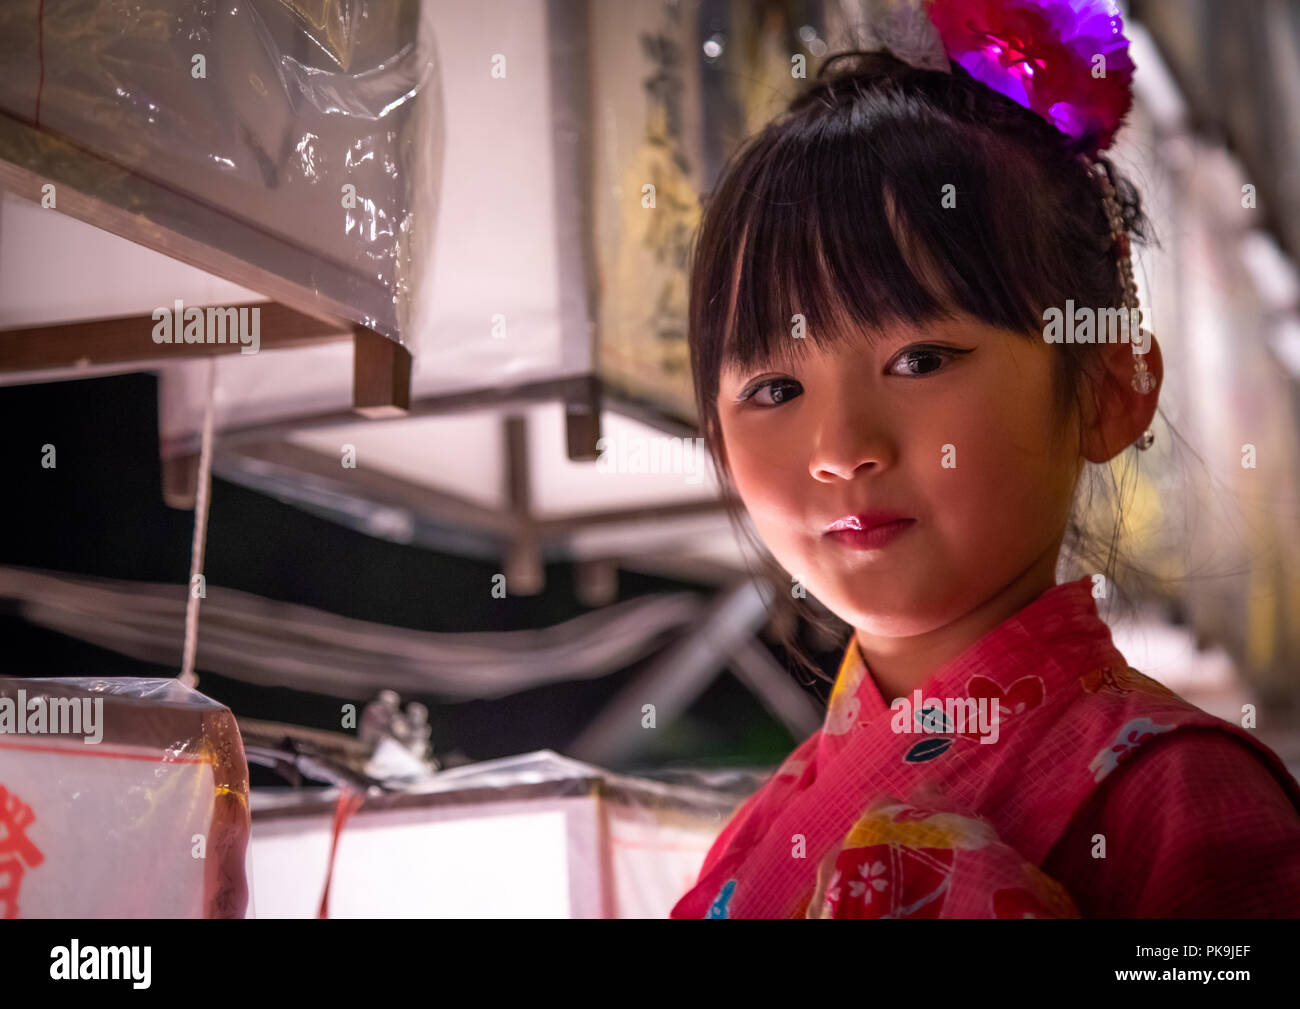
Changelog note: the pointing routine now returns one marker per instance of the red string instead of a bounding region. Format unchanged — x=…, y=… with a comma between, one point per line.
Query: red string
x=349, y=802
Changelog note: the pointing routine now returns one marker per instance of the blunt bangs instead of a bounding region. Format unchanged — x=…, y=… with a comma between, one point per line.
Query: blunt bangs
x=868, y=205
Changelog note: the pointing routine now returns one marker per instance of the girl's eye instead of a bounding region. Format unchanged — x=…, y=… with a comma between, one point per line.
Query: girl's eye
x=917, y=361
x=779, y=390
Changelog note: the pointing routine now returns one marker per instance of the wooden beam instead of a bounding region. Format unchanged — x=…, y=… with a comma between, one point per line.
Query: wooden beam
x=596, y=582
x=489, y=397
x=129, y=339
x=442, y=505
x=374, y=485
x=381, y=375
x=180, y=481
x=582, y=420
x=525, y=571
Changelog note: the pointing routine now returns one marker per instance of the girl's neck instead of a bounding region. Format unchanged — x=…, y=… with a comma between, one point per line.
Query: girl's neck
x=900, y=665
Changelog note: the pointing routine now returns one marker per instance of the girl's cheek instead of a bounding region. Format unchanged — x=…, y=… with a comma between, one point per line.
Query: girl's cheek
x=765, y=455
x=768, y=483
x=767, y=492
x=1005, y=476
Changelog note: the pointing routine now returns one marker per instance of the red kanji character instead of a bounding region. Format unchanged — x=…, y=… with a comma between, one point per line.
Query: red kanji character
x=15, y=849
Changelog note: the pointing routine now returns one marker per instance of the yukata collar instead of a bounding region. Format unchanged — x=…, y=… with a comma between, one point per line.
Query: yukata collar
x=1051, y=637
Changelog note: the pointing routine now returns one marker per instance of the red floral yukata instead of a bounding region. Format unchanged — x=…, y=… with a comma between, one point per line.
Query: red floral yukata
x=922, y=812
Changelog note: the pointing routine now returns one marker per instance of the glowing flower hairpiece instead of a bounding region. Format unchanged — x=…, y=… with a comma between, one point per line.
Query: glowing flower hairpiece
x=1066, y=60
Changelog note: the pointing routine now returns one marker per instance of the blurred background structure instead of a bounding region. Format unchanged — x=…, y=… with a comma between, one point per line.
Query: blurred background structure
x=462, y=467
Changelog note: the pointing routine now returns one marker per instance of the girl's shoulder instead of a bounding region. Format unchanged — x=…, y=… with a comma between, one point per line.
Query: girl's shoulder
x=1197, y=823
x=1130, y=713
x=1214, y=764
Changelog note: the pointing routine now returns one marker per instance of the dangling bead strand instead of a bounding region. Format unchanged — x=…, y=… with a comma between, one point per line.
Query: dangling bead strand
x=1142, y=381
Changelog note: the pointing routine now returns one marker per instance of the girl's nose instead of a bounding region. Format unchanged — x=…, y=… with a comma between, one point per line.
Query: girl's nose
x=849, y=442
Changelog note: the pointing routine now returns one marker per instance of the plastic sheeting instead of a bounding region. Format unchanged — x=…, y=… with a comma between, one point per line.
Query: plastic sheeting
x=120, y=798
x=301, y=137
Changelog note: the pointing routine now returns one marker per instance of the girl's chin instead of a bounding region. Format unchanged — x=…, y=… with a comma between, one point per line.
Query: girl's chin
x=886, y=607
x=871, y=611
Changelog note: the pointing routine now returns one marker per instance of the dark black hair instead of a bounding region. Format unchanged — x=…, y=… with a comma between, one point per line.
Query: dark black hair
x=836, y=211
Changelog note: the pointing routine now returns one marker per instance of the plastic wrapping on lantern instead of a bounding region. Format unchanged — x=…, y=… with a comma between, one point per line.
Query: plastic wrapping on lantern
x=120, y=798
x=293, y=146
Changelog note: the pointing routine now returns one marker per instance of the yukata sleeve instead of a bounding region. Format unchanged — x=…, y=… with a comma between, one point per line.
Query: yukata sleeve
x=1195, y=826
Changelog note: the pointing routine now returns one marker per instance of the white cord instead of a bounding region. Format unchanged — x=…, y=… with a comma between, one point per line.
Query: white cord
x=204, y=479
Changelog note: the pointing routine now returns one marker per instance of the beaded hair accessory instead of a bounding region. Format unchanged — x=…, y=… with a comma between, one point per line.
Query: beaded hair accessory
x=1065, y=60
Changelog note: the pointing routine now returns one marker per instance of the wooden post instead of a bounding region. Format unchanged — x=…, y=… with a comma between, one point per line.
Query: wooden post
x=582, y=421
x=525, y=570
x=381, y=375
x=180, y=481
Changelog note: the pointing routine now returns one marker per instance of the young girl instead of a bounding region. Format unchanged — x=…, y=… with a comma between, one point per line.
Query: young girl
x=877, y=383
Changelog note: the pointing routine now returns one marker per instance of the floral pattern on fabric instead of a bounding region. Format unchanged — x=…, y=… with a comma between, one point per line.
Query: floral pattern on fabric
x=844, y=705
x=898, y=861
x=1132, y=735
x=1018, y=903
x=1022, y=696
x=718, y=909
x=1122, y=680
x=1025, y=694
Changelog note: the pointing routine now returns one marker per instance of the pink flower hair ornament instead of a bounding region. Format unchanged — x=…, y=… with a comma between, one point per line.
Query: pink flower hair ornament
x=1065, y=60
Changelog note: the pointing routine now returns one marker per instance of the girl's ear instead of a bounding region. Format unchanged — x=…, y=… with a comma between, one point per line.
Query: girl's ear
x=1120, y=414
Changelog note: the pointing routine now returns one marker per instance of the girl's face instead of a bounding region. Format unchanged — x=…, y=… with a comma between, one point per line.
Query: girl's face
x=950, y=424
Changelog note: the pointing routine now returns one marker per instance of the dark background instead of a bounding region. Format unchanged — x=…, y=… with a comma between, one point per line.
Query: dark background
x=100, y=512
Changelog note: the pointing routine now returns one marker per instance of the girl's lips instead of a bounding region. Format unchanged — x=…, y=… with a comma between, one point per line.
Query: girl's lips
x=875, y=537
x=865, y=520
